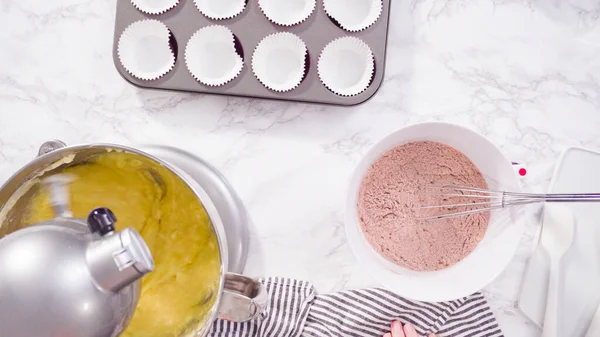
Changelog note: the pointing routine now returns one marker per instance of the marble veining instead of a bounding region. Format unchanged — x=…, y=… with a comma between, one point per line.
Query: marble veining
x=525, y=73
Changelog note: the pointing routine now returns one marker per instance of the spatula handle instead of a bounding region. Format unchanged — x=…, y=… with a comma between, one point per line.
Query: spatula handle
x=594, y=329
x=551, y=317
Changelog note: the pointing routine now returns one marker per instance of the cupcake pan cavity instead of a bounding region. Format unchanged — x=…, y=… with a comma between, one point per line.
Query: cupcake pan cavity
x=249, y=28
x=346, y=66
x=144, y=50
x=279, y=61
x=154, y=7
x=354, y=15
x=287, y=12
x=211, y=56
x=220, y=9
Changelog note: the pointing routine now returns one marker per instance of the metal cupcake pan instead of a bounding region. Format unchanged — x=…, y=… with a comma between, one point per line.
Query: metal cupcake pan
x=249, y=28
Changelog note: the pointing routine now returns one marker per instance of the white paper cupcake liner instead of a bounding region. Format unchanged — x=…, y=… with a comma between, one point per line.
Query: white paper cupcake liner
x=220, y=9
x=278, y=61
x=346, y=66
x=354, y=15
x=144, y=50
x=211, y=57
x=154, y=7
x=286, y=12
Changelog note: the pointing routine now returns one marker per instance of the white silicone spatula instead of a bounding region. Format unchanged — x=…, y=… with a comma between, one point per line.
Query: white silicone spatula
x=594, y=329
x=58, y=188
x=557, y=237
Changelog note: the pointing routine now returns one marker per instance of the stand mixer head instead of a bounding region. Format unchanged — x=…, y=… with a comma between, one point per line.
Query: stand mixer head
x=70, y=277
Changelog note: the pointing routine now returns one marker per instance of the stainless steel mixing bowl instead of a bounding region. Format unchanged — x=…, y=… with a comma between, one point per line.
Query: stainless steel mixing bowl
x=239, y=298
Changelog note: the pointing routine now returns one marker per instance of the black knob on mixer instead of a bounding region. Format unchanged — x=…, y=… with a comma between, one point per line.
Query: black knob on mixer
x=102, y=220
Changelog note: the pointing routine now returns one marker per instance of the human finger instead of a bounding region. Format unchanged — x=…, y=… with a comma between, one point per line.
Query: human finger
x=409, y=330
x=397, y=330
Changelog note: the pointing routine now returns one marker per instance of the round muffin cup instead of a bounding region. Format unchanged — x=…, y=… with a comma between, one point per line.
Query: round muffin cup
x=154, y=7
x=346, y=66
x=144, y=50
x=278, y=61
x=211, y=57
x=354, y=15
x=287, y=13
x=220, y=9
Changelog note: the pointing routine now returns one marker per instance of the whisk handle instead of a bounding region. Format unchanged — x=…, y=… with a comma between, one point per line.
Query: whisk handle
x=580, y=197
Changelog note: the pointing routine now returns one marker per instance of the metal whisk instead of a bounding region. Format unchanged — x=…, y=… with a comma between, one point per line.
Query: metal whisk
x=497, y=199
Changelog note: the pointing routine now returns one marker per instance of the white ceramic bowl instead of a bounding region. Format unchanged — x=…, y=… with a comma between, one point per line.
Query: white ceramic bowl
x=491, y=255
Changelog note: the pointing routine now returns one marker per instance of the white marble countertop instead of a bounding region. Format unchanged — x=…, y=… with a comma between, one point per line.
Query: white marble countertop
x=526, y=73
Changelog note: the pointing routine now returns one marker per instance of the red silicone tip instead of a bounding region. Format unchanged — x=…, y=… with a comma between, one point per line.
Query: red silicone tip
x=522, y=172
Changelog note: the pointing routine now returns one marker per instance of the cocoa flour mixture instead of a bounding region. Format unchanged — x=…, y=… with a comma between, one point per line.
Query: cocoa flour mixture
x=400, y=180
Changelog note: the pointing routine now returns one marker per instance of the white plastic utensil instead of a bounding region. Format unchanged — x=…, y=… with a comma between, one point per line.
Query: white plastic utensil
x=576, y=172
x=594, y=330
x=557, y=237
x=60, y=198
x=532, y=300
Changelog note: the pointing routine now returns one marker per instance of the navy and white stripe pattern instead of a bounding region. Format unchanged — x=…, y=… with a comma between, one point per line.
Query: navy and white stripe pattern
x=296, y=310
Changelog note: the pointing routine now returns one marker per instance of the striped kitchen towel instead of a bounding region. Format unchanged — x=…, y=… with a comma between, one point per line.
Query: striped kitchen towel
x=296, y=310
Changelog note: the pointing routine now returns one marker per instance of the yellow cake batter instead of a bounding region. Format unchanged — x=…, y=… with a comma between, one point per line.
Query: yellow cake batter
x=177, y=296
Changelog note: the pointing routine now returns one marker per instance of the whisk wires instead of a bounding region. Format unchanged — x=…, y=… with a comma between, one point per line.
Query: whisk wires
x=485, y=200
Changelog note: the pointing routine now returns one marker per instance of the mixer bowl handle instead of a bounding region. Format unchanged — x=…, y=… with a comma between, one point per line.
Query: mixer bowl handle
x=50, y=146
x=243, y=298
